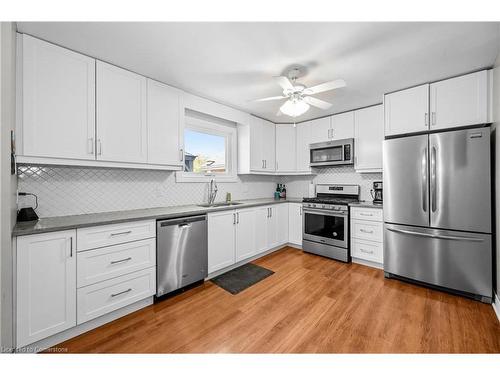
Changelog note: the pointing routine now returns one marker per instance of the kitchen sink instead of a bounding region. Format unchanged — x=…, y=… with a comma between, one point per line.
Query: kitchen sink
x=223, y=204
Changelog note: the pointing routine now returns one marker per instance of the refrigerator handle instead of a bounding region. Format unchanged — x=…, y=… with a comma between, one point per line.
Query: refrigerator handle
x=424, y=180
x=433, y=180
x=441, y=237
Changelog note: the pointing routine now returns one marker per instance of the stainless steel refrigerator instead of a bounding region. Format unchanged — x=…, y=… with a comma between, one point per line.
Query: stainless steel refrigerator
x=437, y=210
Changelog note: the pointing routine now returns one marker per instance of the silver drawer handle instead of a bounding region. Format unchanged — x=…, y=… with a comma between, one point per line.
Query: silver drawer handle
x=366, y=251
x=121, y=260
x=121, y=233
x=125, y=291
x=362, y=214
x=366, y=231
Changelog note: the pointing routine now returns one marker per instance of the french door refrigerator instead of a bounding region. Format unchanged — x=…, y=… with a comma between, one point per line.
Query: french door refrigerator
x=437, y=210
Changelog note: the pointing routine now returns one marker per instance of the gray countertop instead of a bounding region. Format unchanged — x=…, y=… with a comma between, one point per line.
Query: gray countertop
x=53, y=224
x=368, y=204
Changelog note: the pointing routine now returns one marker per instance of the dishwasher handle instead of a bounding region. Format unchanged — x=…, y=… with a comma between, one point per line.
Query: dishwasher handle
x=181, y=220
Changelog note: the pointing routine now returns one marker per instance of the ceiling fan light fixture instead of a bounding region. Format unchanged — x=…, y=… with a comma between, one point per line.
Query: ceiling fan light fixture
x=294, y=108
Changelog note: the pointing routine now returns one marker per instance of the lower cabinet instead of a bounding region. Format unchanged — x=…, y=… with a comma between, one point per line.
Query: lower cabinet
x=46, y=285
x=236, y=235
x=295, y=223
x=367, y=234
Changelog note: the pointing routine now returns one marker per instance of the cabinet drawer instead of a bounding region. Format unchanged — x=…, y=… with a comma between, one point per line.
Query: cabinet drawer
x=101, y=298
x=372, y=251
x=106, y=235
x=367, y=230
x=102, y=264
x=373, y=214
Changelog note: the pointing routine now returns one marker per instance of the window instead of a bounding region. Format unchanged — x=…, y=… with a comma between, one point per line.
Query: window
x=209, y=149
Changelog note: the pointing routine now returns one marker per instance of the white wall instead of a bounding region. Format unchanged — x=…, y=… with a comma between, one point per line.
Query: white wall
x=496, y=143
x=8, y=183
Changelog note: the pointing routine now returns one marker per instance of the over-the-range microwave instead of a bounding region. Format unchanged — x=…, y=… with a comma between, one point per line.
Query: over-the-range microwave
x=339, y=152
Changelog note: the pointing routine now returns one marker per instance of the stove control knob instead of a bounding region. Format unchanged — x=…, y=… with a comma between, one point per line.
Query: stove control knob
x=324, y=206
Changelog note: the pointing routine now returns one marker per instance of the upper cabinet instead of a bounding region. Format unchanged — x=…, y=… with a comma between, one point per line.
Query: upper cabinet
x=121, y=115
x=268, y=143
x=56, y=99
x=165, y=127
x=303, y=139
x=459, y=101
x=320, y=130
x=455, y=102
x=256, y=146
x=407, y=111
x=285, y=148
x=368, y=139
x=342, y=126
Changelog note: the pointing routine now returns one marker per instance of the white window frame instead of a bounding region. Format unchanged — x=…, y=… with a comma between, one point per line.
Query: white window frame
x=227, y=131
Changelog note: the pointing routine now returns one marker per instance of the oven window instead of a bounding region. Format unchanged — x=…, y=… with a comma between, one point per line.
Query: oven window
x=325, y=226
x=322, y=155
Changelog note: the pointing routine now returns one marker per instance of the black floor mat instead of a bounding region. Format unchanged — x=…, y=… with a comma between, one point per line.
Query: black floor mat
x=241, y=278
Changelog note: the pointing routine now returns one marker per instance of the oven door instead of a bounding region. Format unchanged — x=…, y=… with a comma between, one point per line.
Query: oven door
x=326, y=227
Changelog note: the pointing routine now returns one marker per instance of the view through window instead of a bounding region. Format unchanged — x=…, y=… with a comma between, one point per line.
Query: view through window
x=204, y=152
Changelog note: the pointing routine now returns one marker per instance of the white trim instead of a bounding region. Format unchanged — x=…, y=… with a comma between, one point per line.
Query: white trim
x=368, y=263
x=496, y=305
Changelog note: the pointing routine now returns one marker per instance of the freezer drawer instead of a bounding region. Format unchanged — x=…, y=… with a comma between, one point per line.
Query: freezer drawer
x=455, y=260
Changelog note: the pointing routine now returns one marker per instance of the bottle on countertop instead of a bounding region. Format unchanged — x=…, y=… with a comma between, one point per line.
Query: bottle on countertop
x=283, y=192
x=277, y=193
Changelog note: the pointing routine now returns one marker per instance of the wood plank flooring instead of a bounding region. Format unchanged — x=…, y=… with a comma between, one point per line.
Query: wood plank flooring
x=310, y=305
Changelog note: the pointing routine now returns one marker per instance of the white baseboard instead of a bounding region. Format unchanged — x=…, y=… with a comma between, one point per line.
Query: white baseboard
x=368, y=263
x=496, y=305
x=85, y=327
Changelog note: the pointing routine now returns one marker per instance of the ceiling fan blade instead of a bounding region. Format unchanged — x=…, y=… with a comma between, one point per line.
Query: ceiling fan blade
x=279, y=113
x=284, y=82
x=317, y=102
x=270, y=98
x=327, y=86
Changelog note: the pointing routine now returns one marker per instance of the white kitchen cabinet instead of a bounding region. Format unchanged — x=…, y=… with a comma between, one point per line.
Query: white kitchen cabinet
x=368, y=139
x=271, y=228
x=407, y=111
x=342, y=126
x=121, y=115
x=245, y=234
x=221, y=240
x=303, y=139
x=295, y=223
x=268, y=143
x=262, y=214
x=320, y=129
x=285, y=148
x=367, y=240
x=252, y=134
x=459, y=101
x=46, y=285
x=280, y=211
x=57, y=97
x=257, y=142
x=164, y=127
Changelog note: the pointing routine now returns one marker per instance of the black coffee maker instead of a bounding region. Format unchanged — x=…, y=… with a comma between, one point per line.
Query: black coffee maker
x=377, y=192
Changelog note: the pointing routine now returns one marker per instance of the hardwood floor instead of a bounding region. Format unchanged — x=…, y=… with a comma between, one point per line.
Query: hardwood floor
x=310, y=305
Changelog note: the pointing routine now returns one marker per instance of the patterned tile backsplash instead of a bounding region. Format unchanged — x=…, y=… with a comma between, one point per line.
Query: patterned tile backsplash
x=72, y=191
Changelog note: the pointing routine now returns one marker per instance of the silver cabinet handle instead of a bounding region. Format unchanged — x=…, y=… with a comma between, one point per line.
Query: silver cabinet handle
x=300, y=211
x=366, y=231
x=441, y=237
x=426, y=119
x=125, y=291
x=363, y=214
x=237, y=218
x=90, y=145
x=271, y=212
x=433, y=118
x=121, y=260
x=71, y=247
x=99, y=147
x=120, y=233
x=277, y=165
x=262, y=163
x=424, y=179
x=181, y=152
x=366, y=251
x=433, y=180
x=234, y=219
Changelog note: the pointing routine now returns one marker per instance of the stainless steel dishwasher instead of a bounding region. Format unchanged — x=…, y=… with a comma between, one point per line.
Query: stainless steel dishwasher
x=181, y=252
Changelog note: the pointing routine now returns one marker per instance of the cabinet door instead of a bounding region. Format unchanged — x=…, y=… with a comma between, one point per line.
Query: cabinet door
x=295, y=223
x=320, y=130
x=303, y=136
x=164, y=128
x=285, y=148
x=245, y=234
x=342, y=126
x=121, y=115
x=46, y=285
x=58, y=105
x=221, y=240
x=269, y=145
x=460, y=101
x=272, y=228
x=256, y=147
x=369, y=137
x=407, y=111
x=261, y=229
x=281, y=213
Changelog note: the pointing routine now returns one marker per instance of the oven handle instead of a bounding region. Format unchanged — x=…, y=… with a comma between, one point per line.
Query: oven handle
x=326, y=212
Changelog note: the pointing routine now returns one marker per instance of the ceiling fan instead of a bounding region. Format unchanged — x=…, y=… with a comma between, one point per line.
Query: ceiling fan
x=297, y=95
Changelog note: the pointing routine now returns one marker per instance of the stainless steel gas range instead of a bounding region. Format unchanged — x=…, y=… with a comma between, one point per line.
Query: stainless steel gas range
x=326, y=221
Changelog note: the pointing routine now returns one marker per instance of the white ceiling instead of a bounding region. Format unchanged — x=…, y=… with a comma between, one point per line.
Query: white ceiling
x=233, y=63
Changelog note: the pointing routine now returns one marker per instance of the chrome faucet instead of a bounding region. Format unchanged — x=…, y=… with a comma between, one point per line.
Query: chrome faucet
x=212, y=191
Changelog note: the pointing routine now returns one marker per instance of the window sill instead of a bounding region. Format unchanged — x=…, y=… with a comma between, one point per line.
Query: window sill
x=190, y=177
